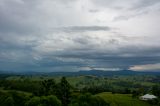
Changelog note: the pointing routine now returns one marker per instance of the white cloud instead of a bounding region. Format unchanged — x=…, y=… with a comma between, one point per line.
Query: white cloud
x=146, y=67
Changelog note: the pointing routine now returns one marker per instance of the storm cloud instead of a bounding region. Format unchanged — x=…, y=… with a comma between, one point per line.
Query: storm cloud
x=72, y=35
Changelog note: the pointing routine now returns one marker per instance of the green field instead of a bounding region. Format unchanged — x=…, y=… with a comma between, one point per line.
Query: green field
x=122, y=99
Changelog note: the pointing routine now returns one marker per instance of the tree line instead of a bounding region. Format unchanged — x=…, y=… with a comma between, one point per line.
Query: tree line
x=46, y=93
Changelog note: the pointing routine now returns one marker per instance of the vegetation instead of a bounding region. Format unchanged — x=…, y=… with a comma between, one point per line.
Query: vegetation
x=121, y=99
x=78, y=91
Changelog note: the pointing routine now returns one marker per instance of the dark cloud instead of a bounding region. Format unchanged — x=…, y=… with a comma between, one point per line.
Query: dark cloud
x=59, y=35
x=144, y=4
x=129, y=16
x=83, y=28
x=93, y=10
x=126, y=4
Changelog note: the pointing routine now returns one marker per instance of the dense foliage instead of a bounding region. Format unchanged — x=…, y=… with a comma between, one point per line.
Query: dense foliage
x=73, y=91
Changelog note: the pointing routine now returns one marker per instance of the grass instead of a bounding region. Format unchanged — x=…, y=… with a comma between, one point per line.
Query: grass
x=20, y=92
x=121, y=99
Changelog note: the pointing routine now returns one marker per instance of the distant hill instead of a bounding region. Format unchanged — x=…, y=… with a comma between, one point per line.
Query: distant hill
x=104, y=73
x=83, y=72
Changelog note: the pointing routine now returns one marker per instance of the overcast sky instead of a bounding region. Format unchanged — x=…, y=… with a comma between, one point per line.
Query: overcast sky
x=72, y=35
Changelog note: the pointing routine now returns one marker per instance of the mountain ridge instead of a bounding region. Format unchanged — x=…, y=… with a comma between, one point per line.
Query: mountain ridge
x=84, y=72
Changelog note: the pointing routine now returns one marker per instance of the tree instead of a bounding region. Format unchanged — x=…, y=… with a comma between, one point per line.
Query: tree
x=6, y=100
x=44, y=101
x=64, y=91
x=127, y=91
x=48, y=87
x=156, y=90
x=88, y=100
x=35, y=101
x=50, y=101
x=19, y=98
x=135, y=93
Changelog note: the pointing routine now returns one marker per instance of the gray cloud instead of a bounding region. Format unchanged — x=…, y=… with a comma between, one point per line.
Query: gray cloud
x=93, y=10
x=144, y=4
x=65, y=35
x=129, y=9
x=126, y=4
x=83, y=28
x=129, y=16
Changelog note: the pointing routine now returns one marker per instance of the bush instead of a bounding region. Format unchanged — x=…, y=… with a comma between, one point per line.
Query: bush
x=88, y=100
x=44, y=101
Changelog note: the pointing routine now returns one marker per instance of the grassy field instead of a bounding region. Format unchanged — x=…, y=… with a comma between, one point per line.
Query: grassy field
x=121, y=99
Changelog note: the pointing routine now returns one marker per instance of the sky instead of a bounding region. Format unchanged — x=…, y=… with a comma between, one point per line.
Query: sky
x=73, y=35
